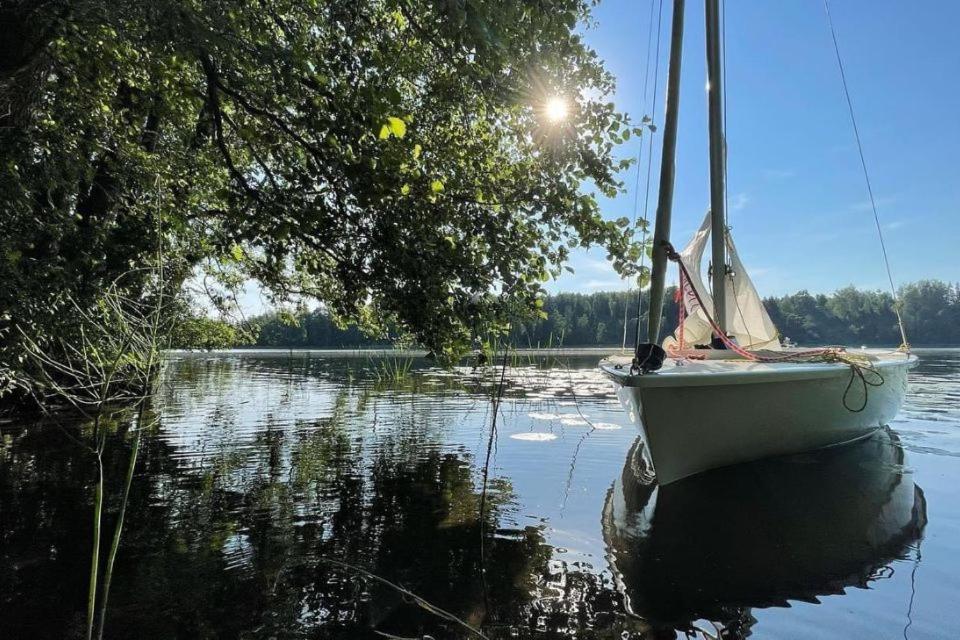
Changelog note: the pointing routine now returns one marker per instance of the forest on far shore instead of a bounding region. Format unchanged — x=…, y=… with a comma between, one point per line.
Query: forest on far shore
x=849, y=316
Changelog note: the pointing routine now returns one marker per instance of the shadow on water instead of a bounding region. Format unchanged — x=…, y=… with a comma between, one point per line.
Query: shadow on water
x=714, y=546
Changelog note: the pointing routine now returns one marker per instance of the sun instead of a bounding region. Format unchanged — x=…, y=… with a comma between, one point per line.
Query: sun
x=557, y=109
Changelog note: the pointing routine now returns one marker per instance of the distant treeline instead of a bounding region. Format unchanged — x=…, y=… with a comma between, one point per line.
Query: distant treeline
x=931, y=310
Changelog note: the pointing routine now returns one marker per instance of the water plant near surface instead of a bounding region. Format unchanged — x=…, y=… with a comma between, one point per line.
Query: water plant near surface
x=393, y=368
x=108, y=375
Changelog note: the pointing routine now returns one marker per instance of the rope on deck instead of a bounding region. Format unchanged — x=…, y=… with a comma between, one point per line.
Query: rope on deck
x=861, y=368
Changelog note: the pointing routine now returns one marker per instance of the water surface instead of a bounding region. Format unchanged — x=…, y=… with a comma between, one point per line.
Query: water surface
x=294, y=495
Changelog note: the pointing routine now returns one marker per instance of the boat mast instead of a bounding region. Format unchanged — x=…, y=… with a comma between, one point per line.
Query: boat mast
x=718, y=227
x=661, y=230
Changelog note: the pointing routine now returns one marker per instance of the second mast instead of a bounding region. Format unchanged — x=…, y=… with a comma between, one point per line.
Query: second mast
x=718, y=227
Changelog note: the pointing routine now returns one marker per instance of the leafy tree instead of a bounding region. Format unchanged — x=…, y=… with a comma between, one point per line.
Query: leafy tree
x=867, y=316
x=389, y=158
x=931, y=310
x=200, y=332
x=847, y=317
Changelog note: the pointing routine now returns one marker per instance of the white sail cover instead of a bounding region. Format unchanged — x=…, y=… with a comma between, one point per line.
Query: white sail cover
x=747, y=320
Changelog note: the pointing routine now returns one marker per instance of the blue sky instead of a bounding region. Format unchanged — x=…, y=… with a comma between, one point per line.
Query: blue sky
x=798, y=204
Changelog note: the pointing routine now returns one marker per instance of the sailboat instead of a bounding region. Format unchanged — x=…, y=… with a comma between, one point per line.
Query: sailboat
x=723, y=389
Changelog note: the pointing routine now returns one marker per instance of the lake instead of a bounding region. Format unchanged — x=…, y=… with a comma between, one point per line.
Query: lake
x=298, y=495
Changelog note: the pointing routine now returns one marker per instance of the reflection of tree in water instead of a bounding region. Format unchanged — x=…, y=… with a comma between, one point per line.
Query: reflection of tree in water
x=239, y=500
x=236, y=548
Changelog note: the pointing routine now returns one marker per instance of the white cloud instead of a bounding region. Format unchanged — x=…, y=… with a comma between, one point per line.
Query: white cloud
x=740, y=201
x=609, y=285
x=594, y=265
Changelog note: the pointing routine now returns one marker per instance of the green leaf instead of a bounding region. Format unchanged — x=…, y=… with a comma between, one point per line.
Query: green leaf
x=644, y=278
x=237, y=252
x=398, y=19
x=393, y=127
x=436, y=186
x=417, y=150
x=405, y=189
x=397, y=127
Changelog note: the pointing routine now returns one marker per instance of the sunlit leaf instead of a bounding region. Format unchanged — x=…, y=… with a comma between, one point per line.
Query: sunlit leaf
x=397, y=127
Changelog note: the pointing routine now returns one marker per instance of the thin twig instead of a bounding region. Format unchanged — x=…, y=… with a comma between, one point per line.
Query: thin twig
x=424, y=604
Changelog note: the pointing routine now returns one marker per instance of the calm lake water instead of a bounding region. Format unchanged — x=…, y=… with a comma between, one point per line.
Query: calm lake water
x=265, y=473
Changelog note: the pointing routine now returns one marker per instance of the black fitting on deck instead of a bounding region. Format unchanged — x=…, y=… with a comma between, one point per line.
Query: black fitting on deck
x=648, y=357
x=716, y=342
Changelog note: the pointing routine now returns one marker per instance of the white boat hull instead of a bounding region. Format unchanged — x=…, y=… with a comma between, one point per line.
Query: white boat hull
x=695, y=415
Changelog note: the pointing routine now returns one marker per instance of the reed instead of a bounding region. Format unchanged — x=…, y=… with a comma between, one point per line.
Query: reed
x=114, y=361
x=392, y=369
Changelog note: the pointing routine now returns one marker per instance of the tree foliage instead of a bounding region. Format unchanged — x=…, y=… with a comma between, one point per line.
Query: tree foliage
x=387, y=158
x=849, y=316
x=203, y=333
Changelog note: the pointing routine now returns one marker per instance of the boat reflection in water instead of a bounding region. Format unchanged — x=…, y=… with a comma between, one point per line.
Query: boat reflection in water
x=712, y=546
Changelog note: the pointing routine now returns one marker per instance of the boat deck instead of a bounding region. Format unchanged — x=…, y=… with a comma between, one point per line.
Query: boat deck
x=705, y=367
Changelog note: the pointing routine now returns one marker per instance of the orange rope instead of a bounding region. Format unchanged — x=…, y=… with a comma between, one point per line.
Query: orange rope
x=858, y=370
x=730, y=344
x=681, y=300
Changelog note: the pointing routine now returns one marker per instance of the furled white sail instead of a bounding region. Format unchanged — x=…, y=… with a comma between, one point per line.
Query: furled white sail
x=747, y=320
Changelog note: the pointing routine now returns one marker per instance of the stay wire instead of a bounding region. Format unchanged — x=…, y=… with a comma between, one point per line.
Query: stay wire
x=726, y=181
x=866, y=177
x=646, y=198
x=636, y=183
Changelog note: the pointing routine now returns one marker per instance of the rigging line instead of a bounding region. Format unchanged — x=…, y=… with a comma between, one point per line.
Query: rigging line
x=726, y=174
x=646, y=198
x=636, y=182
x=726, y=182
x=866, y=177
x=736, y=296
x=646, y=71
